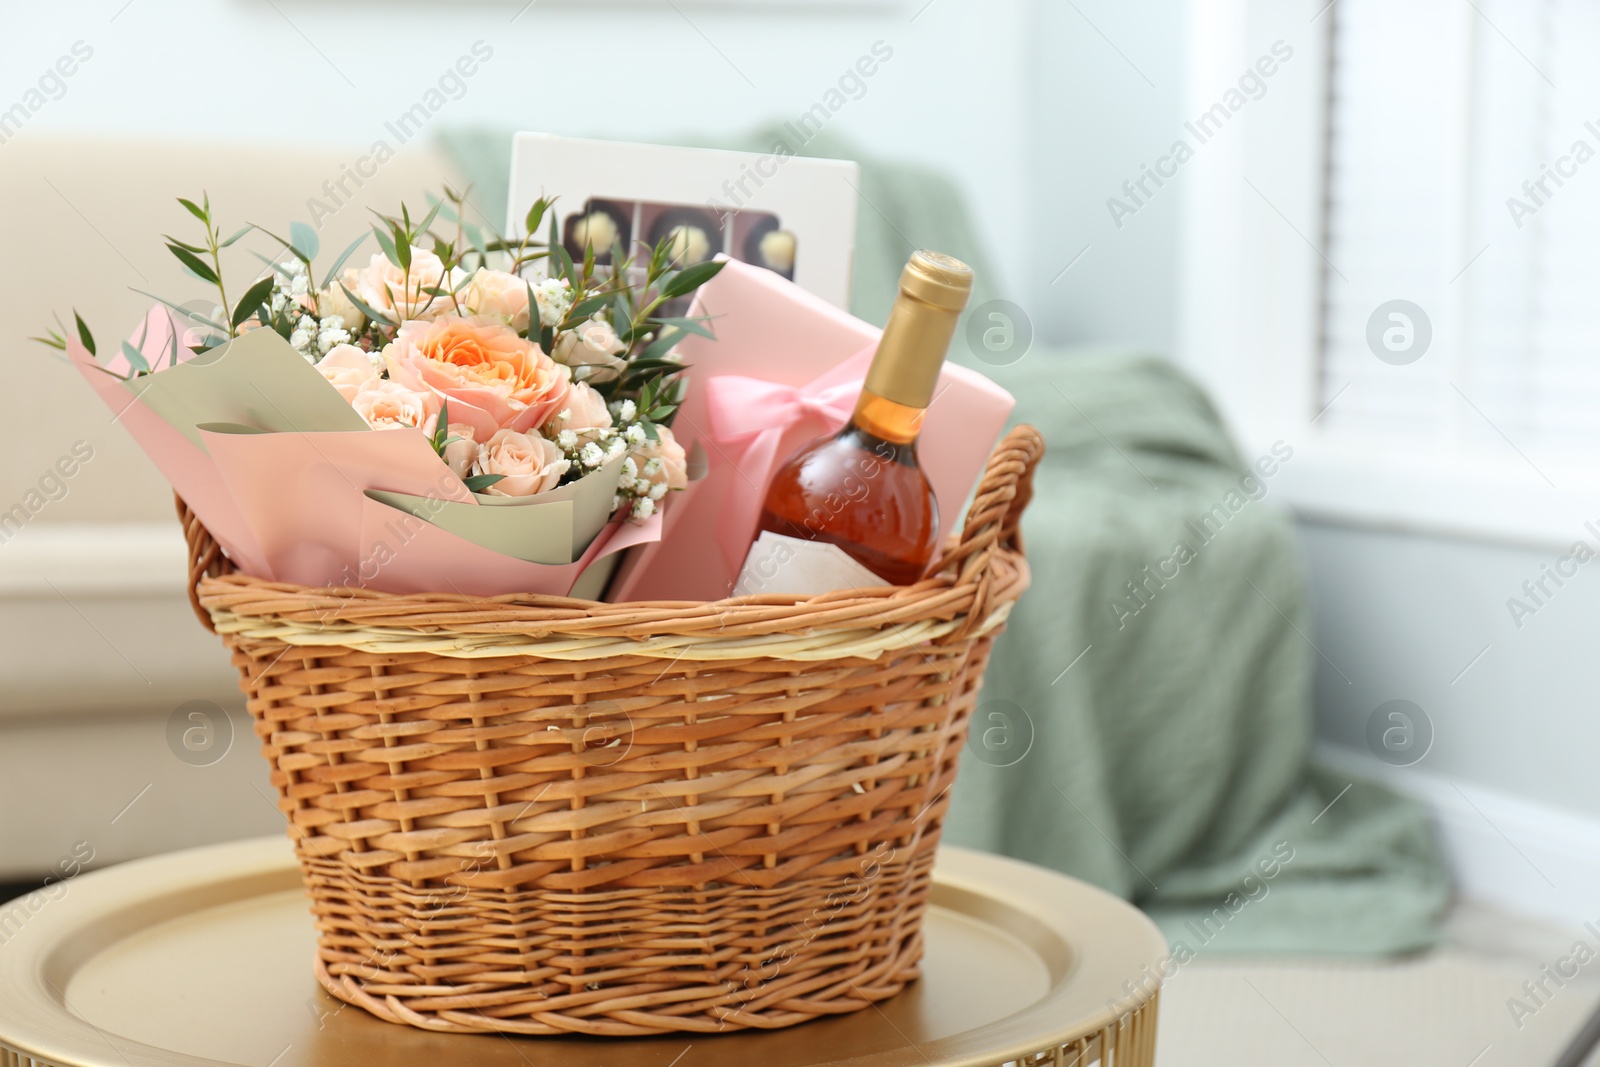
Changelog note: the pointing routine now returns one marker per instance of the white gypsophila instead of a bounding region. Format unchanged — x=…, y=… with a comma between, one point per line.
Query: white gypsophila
x=554, y=297
x=657, y=490
x=643, y=508
x=564, y=415
x=616, y=501
x=625, y=411
x=652, y=467
x=330, y=334
x=630, y=469
x=591, y=455
x=567, y=440
x=635, y=434
x=616, y=448
x=299, y=340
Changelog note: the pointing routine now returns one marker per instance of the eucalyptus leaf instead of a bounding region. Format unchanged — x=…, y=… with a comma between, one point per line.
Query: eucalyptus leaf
x=192, y=316
x=84, y=335
x=304, y=239
x=253, y=299
x=427, y=220
x=333, y=271
x=479, y=482
x=689, y=279
x=690, y=325
x=136, y=359
x=286, y=244
x=663, y=343
x=535, y=216
x=196, y=249
x=386, y=245
x=402, y=248
x=366, y=309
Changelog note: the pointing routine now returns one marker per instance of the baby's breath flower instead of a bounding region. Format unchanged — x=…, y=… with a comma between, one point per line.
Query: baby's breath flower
x=591, y=455
x=657, y=490
x=643, y=508
x=635, y=434
x=567, y=440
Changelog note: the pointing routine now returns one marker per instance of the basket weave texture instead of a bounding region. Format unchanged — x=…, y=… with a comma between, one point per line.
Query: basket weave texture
x=543, y=815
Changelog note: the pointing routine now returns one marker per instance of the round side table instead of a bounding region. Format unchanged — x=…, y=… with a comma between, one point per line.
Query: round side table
x=204, y=958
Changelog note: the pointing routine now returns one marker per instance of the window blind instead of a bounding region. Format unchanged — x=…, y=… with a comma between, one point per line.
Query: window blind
x=1464, y=178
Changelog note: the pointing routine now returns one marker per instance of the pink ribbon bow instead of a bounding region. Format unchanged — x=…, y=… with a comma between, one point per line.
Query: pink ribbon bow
x=749, y=419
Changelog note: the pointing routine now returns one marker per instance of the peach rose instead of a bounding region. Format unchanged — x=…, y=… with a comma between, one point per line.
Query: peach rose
x=400, y=294
x=592, y=344
x=348, y=369
x=585, y=408
x=663, y=462
x=498, y=295
x=493, y=379
x=387, y=405
x=529, y=463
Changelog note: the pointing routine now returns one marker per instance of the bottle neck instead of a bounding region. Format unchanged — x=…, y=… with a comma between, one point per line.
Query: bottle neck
x=898, y=424
x=905, y=369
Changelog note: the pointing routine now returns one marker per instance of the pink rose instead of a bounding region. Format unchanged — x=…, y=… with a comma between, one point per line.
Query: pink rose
x=529, y=463
x=497, y=295
x=585, y=408
x=349, y=369
x=663, y=461
x=493, y=378
x=400, y=294
x=386, y=405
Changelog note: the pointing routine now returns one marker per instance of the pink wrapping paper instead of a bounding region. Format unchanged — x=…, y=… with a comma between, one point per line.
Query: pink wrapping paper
x=402, y=554
x=291, y=506
x=303, y=493
x=191, y=472
x=772, y=329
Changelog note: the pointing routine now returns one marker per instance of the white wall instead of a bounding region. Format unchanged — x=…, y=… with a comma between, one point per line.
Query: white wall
x=955, y=94
x=1109, y=84
x=1403, y=615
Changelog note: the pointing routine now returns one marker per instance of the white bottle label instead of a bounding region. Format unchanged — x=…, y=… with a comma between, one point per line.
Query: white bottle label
x=794, y=566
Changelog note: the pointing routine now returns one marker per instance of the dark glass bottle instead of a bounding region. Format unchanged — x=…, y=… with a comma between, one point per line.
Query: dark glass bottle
x=862, y=488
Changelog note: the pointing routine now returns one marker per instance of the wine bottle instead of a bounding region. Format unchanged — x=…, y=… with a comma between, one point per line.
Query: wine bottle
x=862, y=489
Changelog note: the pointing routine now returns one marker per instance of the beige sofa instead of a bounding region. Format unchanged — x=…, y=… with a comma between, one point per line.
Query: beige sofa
x=100, y=647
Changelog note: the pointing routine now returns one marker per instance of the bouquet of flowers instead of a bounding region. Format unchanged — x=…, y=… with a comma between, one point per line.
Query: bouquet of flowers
x=532, y=376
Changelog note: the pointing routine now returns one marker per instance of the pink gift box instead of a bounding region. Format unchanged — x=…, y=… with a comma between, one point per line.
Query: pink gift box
x=771, y=329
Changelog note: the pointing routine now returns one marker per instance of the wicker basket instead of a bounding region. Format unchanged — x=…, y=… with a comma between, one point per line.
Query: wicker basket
x=542, y=815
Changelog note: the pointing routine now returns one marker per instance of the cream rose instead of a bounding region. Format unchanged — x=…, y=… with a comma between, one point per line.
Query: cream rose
x=529, y=463
x=498, y=295
x=332, y=301
x=387, y=405
x=348, y=369
x=585, y=409
x=493, y=378
x=401, y=294
x=662, y=462
x=593, y=344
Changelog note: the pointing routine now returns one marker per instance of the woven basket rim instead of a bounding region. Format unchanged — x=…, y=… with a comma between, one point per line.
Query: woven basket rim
x=981, y=572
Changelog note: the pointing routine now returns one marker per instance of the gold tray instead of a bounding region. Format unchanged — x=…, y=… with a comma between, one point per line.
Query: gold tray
x=204, y=957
